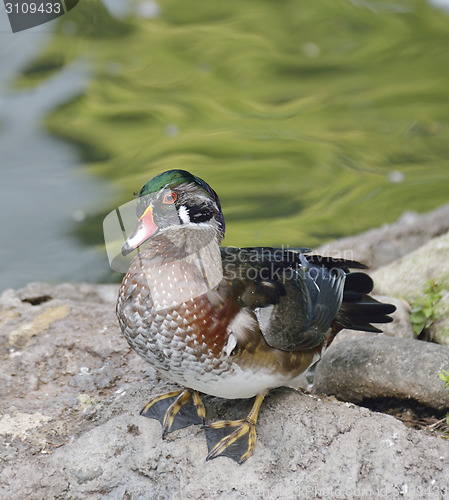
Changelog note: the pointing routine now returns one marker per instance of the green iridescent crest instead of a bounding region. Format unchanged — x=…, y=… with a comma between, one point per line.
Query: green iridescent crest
x=170, y=179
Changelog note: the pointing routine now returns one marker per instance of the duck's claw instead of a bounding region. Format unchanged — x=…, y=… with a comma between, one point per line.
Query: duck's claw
x=235, y=439
x=176, y=410
x=238, y=444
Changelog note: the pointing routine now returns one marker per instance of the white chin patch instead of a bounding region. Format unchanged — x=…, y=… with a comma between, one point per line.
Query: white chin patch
x=184, y=214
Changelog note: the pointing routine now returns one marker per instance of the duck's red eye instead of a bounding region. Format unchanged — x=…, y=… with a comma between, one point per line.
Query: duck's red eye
x=169, y=198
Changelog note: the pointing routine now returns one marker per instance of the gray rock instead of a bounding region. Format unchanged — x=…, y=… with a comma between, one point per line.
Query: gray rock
x=400, y=327
x=37, y=293
x=380, y=246
x=384, y=367
x=409, y=277
x=306, y=448
x=71, y=391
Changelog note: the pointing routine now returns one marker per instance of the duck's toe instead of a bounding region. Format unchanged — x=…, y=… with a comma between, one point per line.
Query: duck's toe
x=176, y=410
x=235, y=439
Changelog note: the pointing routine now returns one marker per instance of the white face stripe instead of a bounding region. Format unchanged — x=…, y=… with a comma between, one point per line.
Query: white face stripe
x=184, y=214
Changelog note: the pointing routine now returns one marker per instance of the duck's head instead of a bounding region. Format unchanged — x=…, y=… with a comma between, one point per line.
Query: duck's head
x=172, y=200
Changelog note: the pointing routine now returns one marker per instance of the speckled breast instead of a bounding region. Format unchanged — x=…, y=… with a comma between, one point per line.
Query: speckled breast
x=172, y=318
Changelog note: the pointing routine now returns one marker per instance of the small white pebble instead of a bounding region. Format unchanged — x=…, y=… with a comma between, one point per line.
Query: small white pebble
x=404, y=489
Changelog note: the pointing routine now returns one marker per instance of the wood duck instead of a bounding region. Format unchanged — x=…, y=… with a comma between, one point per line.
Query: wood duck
x=228, y=322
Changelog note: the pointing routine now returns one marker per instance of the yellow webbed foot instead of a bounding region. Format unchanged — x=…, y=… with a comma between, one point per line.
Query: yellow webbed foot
x=176, y=410
x=235, y=439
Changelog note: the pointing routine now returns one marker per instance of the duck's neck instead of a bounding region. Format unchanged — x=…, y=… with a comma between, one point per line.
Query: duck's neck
x=182, y=241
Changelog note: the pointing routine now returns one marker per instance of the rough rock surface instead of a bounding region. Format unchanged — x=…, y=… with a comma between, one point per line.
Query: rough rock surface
x=71, y=391
x=380, y=246
x=400, y=327
x=383, y=367
x=410, y=276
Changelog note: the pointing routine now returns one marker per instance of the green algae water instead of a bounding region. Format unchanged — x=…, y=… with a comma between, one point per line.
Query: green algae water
x=312, y=120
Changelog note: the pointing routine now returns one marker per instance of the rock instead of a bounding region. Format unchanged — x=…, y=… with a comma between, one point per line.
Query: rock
x=38, y=293
x=384, y=367
x=306, y=448
x=400, y=327
x=409, y=277
x=381, y=246
x=70, y=428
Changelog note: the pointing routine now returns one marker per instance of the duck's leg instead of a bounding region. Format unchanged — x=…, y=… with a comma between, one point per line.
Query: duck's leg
x=175, y=410
x=235, y=439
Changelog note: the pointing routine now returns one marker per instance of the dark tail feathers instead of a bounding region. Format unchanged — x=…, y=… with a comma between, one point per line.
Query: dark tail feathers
x=358, y=309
